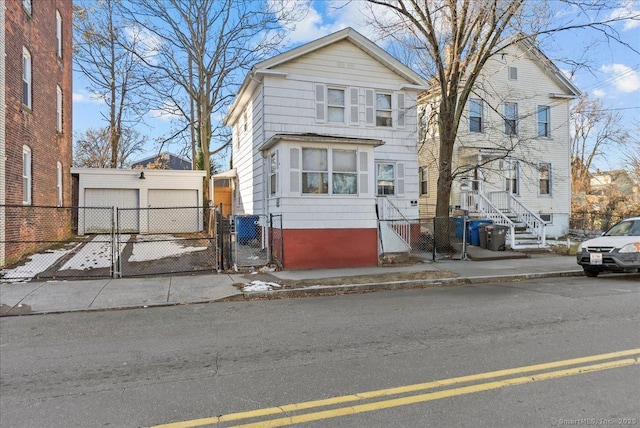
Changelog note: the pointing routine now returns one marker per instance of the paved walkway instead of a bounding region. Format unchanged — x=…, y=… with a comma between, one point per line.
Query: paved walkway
x=105, y=294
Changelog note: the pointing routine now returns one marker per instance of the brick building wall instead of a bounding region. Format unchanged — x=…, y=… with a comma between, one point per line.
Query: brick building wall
x=36, y=127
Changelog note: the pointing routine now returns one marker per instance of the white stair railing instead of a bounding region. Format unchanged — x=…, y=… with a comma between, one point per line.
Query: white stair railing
x=397, y=222
x=476, y=202
x=505, y=201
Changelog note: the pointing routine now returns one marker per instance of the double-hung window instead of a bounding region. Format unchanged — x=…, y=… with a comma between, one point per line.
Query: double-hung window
x=59, y=108
x=543, y=121
x=335, y=105
x=384, y=112
x=475, y=116
x=59, y=183
x=344, y=172
x=26, y=77
x=315, y=171
x=511, y=118
x=544, y=169
x=59, y=34
x=26, y=175
x=26, y=4
x=424, y=180
x=512, y=182
x=273, y=173
x=386, y=178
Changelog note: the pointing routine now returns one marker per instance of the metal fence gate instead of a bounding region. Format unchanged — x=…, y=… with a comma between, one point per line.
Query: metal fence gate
x=42, y=242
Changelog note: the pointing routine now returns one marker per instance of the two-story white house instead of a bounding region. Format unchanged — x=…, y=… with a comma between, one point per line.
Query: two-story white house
x=326, y=136
x=512, y=159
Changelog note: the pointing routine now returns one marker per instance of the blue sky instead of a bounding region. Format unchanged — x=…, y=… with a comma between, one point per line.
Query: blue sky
x=613, y=77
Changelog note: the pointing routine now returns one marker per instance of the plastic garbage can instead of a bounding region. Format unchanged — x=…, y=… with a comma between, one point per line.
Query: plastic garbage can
x=482, y=230
x=460, y=226
x=496, y=237
x=246, y=228
x=474, y=230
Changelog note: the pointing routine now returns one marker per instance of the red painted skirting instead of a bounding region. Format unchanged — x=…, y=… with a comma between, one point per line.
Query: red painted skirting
x=330, y=248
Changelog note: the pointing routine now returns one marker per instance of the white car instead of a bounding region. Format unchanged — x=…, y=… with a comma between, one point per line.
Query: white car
x=617, y=250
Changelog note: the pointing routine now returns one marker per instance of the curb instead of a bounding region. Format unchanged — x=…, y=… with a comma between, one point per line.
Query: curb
x=328, y=290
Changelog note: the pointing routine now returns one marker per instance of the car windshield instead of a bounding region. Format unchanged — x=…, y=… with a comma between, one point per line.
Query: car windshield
x=625, y=228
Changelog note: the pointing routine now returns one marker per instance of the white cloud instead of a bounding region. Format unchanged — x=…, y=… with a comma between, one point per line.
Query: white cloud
x=166, y=112
x=82, y=97
x=599, y=93
x=629, y=10
x=146, y=43
x=624, y=78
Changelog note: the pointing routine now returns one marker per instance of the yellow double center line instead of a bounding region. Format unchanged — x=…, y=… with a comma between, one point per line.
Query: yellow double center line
x=571, y=367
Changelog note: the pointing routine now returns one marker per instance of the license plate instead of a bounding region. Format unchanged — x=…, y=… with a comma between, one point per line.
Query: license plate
x=595, y=258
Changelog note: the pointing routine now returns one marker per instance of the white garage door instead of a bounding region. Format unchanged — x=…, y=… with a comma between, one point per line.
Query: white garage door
x=99, y=220
x=174, y=211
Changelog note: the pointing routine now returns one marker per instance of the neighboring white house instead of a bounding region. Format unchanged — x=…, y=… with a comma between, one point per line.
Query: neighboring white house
x=513, y=154
x=325, y=135
x=149, y=200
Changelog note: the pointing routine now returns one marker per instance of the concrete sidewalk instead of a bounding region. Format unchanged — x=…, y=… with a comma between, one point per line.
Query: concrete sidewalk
x=106, y=294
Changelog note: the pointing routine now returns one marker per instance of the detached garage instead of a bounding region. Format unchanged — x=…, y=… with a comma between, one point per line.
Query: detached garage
x=149, y=201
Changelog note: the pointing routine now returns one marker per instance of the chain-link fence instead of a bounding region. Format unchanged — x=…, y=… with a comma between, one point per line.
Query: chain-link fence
x=427, y=239
x=276, y=240
x=91, y=242
x=164, y=240
x=43, y=242
x=592, y=223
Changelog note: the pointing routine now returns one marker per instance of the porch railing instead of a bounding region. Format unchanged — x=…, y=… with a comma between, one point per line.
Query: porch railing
x=477, y=202
x=505, y=201
x=399, y=223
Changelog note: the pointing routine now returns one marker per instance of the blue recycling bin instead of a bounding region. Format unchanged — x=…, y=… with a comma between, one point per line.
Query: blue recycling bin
x=474, y=230
x=246, y=228
x=460, y=226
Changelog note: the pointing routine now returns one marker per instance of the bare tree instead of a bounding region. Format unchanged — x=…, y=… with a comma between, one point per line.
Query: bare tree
x=200, y=51
x=454, y=39
x=103, y=54
x=594, y=129
x=92, y=148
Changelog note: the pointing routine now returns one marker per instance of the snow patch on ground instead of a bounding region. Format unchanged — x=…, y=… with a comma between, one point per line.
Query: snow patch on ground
x=37, y=263
x=165, y=247
x=94, y=254
x=260, y=286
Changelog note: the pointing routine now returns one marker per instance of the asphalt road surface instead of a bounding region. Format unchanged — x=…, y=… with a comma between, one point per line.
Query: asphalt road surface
x=542, y=353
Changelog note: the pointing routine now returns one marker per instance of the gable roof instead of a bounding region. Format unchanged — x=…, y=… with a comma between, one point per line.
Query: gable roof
x=254, y=77
x=550, y=68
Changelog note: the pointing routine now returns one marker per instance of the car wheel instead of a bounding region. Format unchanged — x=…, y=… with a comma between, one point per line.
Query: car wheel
x=591, y=273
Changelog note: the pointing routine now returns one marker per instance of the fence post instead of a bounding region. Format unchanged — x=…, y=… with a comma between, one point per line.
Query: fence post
x=115, y=243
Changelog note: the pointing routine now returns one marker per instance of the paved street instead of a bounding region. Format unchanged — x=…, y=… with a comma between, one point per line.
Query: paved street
x=154, y=366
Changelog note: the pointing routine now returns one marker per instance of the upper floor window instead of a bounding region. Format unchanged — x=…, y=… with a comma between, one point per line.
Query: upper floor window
x=59, y=33
x=513, y=73
x=335, y=105
x=26, y=4
x=511, y=118
x=543, y=121
x=544, y=169
x=424, y=180
x=383, y=110
x=475, y=116
x=26, y=175
x=26, y=77
x=59, y=183
x=315, y=171
x=59, y=108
